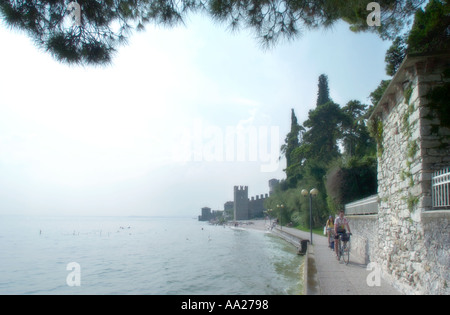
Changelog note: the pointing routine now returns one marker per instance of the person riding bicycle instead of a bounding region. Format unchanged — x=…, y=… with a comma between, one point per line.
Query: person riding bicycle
x=339, y=229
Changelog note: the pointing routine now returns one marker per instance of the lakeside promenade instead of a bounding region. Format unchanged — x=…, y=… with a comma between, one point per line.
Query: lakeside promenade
x=327, y=275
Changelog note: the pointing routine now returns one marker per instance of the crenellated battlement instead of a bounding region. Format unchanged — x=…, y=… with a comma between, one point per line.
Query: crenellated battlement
x=258, y=197
x=241, y=188
x=245, y=208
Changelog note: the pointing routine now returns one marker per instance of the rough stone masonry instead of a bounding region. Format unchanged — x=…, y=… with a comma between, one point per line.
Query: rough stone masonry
x=408, y=237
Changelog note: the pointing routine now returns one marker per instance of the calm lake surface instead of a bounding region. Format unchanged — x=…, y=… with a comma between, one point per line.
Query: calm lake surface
x=142, y=255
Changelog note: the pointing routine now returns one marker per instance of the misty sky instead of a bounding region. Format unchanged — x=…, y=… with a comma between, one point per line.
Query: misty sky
x=180, y=117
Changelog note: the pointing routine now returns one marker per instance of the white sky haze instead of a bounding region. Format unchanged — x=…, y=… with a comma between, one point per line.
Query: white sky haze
x=122, y=139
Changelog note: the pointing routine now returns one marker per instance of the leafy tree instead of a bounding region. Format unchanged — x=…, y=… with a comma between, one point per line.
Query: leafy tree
x=357, y=141
x=317, y=148
x=430, y=31
x=354, y=175
x=317, y=162
x=324, y=123
x=395, y=15
x=351, y=180
x=376, y=95
x=395, y=55
x=105, y=25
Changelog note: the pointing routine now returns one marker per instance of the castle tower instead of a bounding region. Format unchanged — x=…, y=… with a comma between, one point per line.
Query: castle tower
x=273, y=183
x=241, y=203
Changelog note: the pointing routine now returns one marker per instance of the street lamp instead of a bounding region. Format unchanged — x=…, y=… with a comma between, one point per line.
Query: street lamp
x=281, y=206
x=312, y=193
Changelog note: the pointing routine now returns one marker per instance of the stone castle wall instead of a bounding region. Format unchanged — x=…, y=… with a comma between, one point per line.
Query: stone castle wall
x=245, y=208
x=256, y=206
x=241, y=203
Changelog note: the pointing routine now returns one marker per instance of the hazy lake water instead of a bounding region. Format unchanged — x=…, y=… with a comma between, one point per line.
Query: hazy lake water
x=142, y=255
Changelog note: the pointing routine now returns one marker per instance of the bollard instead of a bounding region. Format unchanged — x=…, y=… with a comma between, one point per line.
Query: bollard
x=303, y=248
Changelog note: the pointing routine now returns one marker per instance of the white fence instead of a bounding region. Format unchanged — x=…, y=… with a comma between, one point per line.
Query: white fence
x=367, y=205
x=440, y=189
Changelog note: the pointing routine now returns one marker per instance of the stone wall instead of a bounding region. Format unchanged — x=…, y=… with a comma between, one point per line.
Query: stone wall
x=256, y=206
x=411, y=243
x=245, y=208
x=364, y=238
x=436, y=266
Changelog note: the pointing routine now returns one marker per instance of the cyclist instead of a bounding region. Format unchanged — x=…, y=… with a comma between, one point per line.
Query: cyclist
x=339, y=229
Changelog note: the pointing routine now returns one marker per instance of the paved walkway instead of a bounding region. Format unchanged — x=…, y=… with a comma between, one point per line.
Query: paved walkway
x=334, y=277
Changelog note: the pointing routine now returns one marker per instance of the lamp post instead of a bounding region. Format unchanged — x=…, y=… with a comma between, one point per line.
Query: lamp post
x=281, y=206
x=311, y=193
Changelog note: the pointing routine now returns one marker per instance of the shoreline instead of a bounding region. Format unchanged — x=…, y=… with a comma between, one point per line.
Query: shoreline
x=322, y=273
x=263, y=225
x=307, y=269
x=259, y=225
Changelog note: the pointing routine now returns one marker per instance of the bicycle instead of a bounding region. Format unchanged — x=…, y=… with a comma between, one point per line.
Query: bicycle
x=344, y=247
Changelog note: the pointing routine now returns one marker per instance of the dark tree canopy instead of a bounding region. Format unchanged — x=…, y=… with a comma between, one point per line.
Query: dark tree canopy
x=395, y=55
x=105, y=25
x=431, y=28
x=430, y=32
x=324, y=123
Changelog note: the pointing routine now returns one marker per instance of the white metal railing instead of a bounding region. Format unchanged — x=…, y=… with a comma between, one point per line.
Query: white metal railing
x=440, y=188
x=367, y=205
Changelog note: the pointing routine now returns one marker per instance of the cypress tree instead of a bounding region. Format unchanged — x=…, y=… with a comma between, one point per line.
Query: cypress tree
x=290, y=148
x=291, y=141
x=323, y=94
